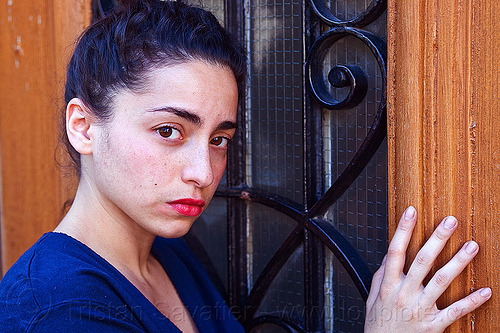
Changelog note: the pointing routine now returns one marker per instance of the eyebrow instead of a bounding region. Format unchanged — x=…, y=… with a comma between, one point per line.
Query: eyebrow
x=227, y=125
x=193, y=118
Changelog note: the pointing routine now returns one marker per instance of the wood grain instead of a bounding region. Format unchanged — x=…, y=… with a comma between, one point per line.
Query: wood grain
x=37, y=38
x=444, y=147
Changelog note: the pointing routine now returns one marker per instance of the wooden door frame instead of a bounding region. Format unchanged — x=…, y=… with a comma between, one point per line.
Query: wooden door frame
x=37, y=39
x=444, y=148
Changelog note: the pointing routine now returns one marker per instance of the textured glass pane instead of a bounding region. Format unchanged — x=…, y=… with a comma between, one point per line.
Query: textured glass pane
x=347, y=9
x=274, y=103
x=267, y=230
x=361, y=213
x=285, y=298
x=216, y=7
x=346, y=308
x=210, y=226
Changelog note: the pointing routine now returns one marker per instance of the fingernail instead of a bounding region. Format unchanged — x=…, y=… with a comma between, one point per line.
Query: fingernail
x=450, y=222
x=486, y=292
x=471, y=247
x=409, y=213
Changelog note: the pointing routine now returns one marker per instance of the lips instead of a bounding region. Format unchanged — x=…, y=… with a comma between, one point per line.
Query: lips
x=188, y=206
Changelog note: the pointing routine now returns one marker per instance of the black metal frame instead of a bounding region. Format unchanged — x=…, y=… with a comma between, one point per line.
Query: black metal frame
x=372, y=12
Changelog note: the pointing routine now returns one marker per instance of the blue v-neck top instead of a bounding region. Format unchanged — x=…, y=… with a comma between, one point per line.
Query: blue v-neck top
x=61, y=285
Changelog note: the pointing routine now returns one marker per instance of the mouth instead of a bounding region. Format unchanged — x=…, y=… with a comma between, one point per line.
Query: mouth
x=188, y=206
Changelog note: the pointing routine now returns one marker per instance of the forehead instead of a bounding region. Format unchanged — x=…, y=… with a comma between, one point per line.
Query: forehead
x=204, y=89
x=189, y=72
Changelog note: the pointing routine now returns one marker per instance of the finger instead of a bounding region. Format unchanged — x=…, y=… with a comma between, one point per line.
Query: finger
x=375, y=286
x=427, y=255
x=462, y=307
x=444, y=276
x=396, y=253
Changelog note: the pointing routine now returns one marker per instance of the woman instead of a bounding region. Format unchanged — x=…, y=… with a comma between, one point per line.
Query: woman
x=152, y=92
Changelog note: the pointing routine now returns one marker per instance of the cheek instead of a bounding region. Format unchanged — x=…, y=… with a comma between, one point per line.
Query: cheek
x=134, y=163
x=149, y=166
x=218, y=169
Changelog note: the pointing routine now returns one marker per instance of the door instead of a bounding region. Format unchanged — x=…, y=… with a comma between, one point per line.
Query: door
x=443, y=134
x=36, y=42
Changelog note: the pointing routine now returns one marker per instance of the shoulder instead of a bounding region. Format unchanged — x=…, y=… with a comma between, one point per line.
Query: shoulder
x=59, y=274
x=59, y=268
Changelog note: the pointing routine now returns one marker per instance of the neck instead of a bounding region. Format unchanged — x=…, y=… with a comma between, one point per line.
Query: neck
x=108, y=231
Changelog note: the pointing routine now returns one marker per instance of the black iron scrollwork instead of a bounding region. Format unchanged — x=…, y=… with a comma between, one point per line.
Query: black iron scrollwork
x=342, y=75
x=372, y=12
x=322, y=230
x=319, y=91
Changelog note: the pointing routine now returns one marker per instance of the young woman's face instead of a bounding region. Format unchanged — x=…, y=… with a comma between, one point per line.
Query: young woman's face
x=157, y=162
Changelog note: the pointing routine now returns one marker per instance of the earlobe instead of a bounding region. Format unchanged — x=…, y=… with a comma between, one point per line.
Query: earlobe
x=78, y=126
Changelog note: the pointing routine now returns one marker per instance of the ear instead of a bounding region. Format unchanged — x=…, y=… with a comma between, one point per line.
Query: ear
x=79, y=126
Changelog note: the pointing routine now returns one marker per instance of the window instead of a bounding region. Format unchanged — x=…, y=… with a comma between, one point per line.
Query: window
x=281, y=274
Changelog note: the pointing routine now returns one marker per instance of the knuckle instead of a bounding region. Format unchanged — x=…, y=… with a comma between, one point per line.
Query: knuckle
x=405, y=226
x=400, y=303
x=423, y=259
x=441, y=279
x=455, y=312
x=462, y=259
x=441, y=234
x=473, y=301
x=384, y=292
x=395, y=252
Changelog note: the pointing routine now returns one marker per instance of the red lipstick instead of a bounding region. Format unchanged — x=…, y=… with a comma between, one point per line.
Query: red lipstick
x=188, y=206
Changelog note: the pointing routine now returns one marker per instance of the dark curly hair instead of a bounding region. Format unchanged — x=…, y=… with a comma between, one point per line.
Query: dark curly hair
x=119, y=50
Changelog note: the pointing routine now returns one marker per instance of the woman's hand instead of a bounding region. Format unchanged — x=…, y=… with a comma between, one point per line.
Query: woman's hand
x=399, y=302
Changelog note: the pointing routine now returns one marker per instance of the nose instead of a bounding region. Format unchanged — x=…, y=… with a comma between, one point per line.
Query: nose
x=198, y=167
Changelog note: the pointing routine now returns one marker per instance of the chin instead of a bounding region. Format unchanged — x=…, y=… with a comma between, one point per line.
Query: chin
x=180, y=229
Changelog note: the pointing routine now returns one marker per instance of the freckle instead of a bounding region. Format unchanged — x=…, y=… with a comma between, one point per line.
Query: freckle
x=156, y=184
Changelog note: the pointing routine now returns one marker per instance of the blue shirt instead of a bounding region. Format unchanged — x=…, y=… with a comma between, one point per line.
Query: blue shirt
x=61, y=285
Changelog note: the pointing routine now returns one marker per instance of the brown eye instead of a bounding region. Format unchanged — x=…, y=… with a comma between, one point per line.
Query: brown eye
x=165, y=132
x=220, y=141
x=169, y=132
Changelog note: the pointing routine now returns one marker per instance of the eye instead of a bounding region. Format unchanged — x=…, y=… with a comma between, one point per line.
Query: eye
x=169, y=132
x=220, y=141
